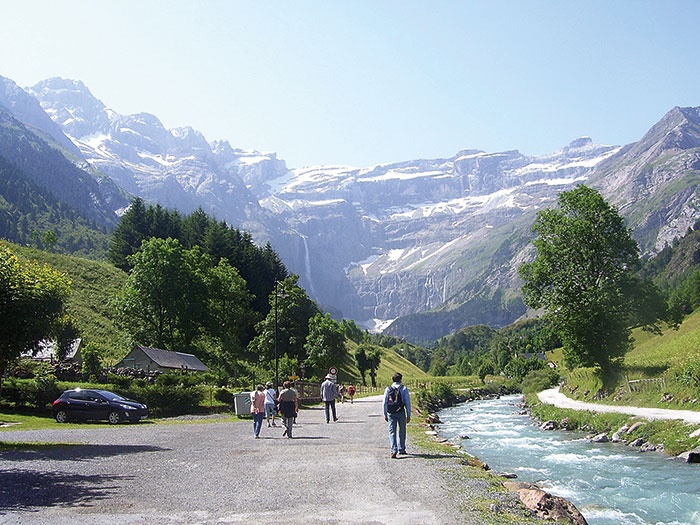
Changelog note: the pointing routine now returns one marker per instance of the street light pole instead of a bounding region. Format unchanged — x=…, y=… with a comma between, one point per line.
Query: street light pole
x=277, y=363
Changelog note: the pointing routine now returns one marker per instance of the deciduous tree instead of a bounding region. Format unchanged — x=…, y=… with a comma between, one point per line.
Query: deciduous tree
x=583, y=275
x=32, y=305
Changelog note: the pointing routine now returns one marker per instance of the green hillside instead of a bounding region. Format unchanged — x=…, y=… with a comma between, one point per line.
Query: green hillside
x=391, y=362
x=93, y=286
x=660, y=371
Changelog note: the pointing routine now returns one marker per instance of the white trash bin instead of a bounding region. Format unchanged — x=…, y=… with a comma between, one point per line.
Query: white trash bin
x=241, y=403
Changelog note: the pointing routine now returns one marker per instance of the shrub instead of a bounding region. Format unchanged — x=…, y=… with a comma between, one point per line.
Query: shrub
x=538, y=380
x=31, y=393
x=440, y=394
x=168, y=400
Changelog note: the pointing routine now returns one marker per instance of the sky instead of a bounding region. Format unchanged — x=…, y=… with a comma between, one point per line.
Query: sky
x=365, y=82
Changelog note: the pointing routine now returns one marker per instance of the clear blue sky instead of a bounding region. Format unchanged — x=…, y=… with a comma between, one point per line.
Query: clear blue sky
x=364, y=82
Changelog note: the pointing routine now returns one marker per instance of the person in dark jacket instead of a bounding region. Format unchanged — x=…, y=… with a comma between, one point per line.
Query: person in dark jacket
x=289, y=406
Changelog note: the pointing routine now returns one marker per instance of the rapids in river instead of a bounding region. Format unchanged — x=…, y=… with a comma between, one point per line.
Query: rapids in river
x=610, y=483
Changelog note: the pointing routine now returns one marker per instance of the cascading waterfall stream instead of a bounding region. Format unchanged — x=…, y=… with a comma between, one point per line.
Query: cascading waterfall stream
x=610, y=483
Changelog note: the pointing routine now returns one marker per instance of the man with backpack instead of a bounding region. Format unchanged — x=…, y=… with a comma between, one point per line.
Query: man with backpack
x=397, y=412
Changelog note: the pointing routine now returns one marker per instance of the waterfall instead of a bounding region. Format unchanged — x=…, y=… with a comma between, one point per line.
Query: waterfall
x=307, y=266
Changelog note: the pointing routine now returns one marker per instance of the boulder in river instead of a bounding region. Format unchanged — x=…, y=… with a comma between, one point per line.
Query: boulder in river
x=549, y=425
x=690, y=456
x=546, y=505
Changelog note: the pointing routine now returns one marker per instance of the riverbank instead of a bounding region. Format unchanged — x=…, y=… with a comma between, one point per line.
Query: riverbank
x=674, y=432
x=553, y=396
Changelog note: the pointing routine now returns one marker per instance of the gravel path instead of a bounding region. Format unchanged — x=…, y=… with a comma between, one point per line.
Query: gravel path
x=215, y=472
x=556, y=398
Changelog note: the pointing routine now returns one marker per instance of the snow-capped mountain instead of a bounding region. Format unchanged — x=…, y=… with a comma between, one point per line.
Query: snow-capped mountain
x=177, y=168
x=403, y=238
x=432, y=243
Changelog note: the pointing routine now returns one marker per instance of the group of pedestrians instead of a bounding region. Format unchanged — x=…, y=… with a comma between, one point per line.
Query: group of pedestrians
x=265, y=403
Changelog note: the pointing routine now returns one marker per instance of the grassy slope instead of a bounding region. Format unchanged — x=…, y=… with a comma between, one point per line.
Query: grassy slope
x=93, y=285
x=653, y=357
x=391, y=362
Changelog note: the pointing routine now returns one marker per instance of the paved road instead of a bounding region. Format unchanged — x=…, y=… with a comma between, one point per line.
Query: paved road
x=556, y=398
x=215, y=472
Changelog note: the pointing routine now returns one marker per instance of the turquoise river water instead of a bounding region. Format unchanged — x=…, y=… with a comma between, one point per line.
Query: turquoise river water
x=610, y=483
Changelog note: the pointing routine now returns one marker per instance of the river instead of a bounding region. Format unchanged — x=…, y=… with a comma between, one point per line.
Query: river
x=610, y=483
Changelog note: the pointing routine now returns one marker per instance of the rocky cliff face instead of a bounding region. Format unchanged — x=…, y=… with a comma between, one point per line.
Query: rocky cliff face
x=434, y=242
x=177, y=168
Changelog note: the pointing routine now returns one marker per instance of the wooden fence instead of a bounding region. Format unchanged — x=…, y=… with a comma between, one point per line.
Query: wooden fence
x=646, y=385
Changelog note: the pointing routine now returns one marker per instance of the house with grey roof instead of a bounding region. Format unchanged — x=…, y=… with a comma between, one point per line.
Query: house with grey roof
x=155, y=359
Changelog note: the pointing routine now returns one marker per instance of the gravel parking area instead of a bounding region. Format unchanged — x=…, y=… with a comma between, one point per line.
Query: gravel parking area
x=215, y=472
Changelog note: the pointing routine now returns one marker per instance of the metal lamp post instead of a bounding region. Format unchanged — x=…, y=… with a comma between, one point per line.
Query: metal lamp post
x=277, y=362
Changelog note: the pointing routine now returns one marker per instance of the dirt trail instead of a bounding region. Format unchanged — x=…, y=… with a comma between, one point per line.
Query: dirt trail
x=554, y=397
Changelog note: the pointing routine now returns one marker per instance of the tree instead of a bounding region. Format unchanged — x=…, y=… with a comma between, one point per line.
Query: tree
x=286, y=326
x=325, y=344
x=128, y=235
x=230, y=315
x=32, y=305
x=374, y=358
x=163, y=301
x=583, y=275
x=362, y=360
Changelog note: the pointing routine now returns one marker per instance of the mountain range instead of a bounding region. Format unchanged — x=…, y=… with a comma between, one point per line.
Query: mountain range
x=418, y=248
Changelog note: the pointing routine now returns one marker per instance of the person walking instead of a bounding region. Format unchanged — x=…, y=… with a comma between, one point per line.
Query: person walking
x=397, y=412
x=257, y=408
x=351, y=393
x=270, y=404
x=329, y=393
x=289, y=406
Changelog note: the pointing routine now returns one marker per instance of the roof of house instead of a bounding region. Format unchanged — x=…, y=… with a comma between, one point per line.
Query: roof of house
x=175, y=360
x=46, y=350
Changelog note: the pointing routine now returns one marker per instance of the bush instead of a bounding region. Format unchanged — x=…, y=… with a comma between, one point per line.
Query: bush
x=224, y=396
x=538, y=380
x=31, y=393
x=168, y=400
x=439, y=395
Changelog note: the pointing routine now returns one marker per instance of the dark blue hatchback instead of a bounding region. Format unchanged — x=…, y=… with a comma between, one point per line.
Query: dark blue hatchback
x=90, y=404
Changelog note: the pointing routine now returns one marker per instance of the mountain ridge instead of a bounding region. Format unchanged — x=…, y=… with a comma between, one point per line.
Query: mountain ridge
x=440, y=238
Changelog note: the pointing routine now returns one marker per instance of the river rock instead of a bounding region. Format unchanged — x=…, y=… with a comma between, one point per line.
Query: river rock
x=434, y=419
x=600, y=438
x=623, y=429
x=616, y=437
x=691, y=456
x=636, y=443
x=464, y=436
x=634, y=427
x=549, y=425
x=564, y=425
x=550, y=507
x=648, y=447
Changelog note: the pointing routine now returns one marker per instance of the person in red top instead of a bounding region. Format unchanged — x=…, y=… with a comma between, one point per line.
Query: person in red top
x=351, y=393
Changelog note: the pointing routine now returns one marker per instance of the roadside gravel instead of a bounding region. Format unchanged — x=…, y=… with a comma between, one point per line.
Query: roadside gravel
x=556, y=398
x=213, y=471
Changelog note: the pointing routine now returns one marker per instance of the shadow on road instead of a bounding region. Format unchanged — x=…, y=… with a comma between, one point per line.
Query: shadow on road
x=48, y=489
x=75, y=452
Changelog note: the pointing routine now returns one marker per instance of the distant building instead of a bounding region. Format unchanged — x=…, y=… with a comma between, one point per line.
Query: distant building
x=46, y=352
x=529, y=355
x=155, y=359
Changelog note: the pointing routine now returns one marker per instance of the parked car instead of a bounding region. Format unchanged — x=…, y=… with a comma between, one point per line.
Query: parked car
x=91, y=404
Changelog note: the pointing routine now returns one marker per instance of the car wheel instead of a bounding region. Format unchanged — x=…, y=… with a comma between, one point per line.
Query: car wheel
x=114, y=417
x=61, y=416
